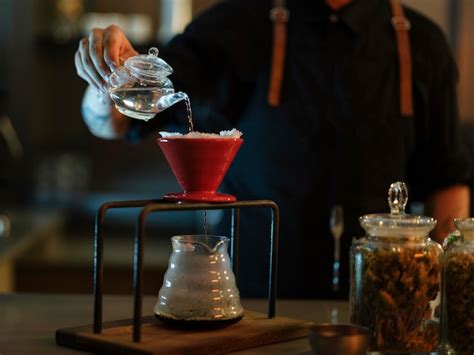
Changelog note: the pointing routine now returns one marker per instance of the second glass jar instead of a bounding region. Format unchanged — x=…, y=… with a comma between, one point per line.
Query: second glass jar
x=459, y=289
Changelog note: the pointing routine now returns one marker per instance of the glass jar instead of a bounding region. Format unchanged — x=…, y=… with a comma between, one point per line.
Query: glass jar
x=458, y=317
x=396, y=278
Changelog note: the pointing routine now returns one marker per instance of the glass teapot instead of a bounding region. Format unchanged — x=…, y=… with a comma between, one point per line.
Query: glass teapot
x=199, y=285
x=141, y=88
x=396, y=278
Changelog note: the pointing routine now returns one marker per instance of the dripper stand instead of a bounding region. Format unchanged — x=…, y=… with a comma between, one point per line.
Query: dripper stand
x=255, y=329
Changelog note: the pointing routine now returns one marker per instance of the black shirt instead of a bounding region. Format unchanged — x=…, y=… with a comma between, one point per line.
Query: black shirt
x=336, y=138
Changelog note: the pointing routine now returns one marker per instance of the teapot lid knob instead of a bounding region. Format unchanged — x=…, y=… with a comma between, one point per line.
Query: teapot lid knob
x=153, y=51
x=397, y=198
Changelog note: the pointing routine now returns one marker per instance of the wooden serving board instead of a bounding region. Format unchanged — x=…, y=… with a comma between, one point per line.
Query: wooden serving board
x=255, y=329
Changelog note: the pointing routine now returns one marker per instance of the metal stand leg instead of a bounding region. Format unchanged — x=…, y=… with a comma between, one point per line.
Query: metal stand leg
x=274, y=235
x=234, y=246
x=138, y=276
x=99, y=254
x=98, y=269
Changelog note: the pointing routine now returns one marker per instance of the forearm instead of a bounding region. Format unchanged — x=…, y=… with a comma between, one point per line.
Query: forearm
x=445, y=205
x=101, y=117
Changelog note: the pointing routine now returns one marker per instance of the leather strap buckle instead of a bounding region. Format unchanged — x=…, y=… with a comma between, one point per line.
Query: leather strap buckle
x=401, y=23
x=279, y=15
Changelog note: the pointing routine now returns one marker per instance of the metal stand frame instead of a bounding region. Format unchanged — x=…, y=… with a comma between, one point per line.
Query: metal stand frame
x=150, y=206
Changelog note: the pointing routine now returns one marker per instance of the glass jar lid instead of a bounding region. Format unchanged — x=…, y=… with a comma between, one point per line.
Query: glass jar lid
x=148, y=67
x=466, y=227
x=397, y=223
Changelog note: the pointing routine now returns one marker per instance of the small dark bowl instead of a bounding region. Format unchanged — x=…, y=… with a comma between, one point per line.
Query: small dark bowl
x=347, y=339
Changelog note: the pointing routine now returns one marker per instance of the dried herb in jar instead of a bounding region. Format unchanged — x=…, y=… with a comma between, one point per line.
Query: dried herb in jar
x=393, y=286
x=459, y=293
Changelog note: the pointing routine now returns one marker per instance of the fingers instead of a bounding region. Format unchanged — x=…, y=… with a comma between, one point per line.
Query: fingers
x=88, y=65
x=80, y=69
x=112, y=45
x=127, y=54
x=117, y=48
x=96, y=52
x=102, y=52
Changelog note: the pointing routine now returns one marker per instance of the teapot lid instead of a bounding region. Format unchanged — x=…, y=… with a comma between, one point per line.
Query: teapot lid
x=397, y=223
x=149, y=66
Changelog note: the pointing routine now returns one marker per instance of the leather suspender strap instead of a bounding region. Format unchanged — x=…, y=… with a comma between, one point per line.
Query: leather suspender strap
x=279, y=15
x=401, y=26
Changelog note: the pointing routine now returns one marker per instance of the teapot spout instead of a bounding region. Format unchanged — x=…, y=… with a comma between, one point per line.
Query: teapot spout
x=169, y=100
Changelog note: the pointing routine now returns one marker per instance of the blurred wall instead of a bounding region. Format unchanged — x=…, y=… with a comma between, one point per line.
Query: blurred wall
x=455, y=18
x=436, y=10
x=465, y=56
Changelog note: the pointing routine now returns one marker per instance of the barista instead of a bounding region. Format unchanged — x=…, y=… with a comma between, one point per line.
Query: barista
x=337, y=132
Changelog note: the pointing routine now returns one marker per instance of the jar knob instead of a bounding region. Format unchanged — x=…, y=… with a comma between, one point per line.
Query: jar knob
x=153, y=51
x=397, y=198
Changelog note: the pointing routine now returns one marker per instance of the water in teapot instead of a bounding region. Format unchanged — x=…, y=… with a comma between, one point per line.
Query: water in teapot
x=141, y=103
x=145, y=103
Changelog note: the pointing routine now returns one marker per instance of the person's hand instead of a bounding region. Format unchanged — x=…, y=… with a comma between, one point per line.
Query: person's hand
x=100, y=53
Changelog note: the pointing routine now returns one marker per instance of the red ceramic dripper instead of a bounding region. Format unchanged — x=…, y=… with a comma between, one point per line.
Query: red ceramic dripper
x=199, y=165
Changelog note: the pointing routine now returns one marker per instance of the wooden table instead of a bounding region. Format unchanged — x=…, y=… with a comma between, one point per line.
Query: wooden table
x=28, y=321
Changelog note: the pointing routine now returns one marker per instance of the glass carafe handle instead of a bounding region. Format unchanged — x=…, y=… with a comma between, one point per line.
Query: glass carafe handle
x=397, y=198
